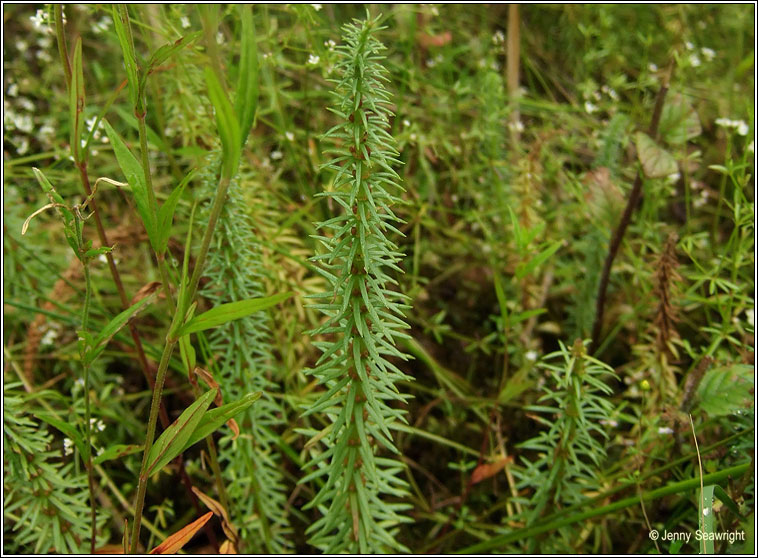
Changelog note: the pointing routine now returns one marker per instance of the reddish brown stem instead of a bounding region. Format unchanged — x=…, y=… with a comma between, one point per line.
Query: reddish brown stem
x=632, y=203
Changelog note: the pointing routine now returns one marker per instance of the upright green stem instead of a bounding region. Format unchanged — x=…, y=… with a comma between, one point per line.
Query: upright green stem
x=87, y=407
x=218, y=203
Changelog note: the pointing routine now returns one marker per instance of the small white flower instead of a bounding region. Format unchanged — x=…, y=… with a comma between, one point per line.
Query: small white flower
x=12, y=90
x=750, y=315
x=290, y=136
x=516, y=126
x=498, y=38
x=39, y=20
x=220, y=38
x=589, y=107
x=21, y=45
x=100, y=451
x=24, y=123
x=49, y=337
x=100, y=425
x=79, y=382
x=665, y=430
x=22, y=146
x=413, y=137
x=706, y=511
x=609, y=422
x=724, y=122
x=316, y=7
x=68, y=446
x=313, y=60
x=406, y=123
x=102, y=25
x=652, y=67
x=689, y=45
x=673, y=177
x=330, y=44
x=531, y=356
x=751, y=147
x=44, y=56
x=185, y=22
x=742, y=128
x=91, y=123
x=25, y=104
x=276, y=155
x=708, y=53
x=695, y=60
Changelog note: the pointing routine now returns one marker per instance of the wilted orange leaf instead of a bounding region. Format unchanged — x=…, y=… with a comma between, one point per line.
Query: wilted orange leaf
x=229, y=529
x=487, y=470
x=208, y=378
x=176, y=541
x=227, y=547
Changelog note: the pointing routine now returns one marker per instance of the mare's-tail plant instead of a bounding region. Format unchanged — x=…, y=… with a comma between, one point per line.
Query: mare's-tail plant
x=576, y=409
x=364, y=316
x=244, y=363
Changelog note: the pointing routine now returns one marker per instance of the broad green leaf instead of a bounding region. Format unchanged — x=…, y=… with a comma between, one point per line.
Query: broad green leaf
x=228, y=125
x=525, y=269
x=171, y=442
x=229, y=312
x=656, y=161
x=679, y=122
x=215, y=418
x=166, y=213
x=121, y=23
x=246, y=96
x=135, y=176
x=115, y=451
x=76, y=101
x=167, y=50
x=705, y=506
x=726, y=390
x=68, y=429
x=98, y=343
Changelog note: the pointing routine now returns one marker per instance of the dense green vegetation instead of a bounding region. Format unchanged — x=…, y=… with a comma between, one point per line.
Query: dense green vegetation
x=400, y=278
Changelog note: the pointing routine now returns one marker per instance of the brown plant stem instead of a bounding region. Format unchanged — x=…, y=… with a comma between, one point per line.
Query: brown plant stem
x=631, y=206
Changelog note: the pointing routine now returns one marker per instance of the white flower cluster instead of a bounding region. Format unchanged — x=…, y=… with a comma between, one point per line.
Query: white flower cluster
x=739, y=125
x=694, y=59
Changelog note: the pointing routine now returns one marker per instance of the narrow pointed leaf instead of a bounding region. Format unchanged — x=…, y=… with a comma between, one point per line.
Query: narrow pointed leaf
x=166, y=214
x=228, y=125
x=229, y=312
x=135, y=176
x=215, y=418
x=76, y=101
x=121, y=22
x=172, y=441
x=246, y=96
x=115, y=451
x=167, y=50
x=105, y=335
